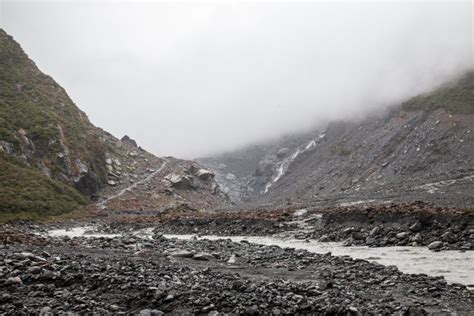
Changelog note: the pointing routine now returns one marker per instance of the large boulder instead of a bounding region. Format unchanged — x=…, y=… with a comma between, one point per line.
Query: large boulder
x=180, y=181
x=205, y=174
x=435, y=245
x=182, y=254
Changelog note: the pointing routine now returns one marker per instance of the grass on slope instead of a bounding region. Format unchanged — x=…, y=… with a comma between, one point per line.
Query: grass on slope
x=457, y=97
x=35, y=104
x=27, y=193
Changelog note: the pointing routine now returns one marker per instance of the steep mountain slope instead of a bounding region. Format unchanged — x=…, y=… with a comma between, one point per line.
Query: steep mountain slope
x=40, y=124
x=48, y=147
x=423, y=149
x=243, y=174
x=38, y=192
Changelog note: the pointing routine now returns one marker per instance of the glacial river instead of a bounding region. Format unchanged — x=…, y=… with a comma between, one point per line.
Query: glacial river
x=455, y=266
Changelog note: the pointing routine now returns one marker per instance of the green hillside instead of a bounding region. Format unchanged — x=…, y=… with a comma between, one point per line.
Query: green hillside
x=41, y=127
x=455, y=97
x=24, y=189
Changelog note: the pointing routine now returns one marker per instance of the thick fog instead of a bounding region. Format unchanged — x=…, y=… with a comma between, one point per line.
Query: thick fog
x=193, y=79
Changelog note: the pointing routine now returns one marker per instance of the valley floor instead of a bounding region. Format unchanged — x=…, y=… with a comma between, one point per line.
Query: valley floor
x=155, y=275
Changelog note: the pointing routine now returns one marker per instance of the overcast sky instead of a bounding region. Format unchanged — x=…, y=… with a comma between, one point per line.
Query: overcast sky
x=192, y=79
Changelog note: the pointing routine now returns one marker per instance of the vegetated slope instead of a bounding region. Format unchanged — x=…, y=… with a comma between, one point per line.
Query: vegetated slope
x=41, y=127
x=46, y=138
x=454, y=97
x=24, y=188
x=421, y=150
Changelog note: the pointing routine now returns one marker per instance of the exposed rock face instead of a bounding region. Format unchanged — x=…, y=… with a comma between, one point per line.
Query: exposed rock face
x=88, y=184
x=414, y=152
x=265, y=168
x=128, y=140
x=155, y=184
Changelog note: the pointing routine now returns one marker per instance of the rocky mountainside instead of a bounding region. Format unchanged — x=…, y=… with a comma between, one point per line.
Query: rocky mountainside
x=422, y=149
x=138, y=180
x=53, y=159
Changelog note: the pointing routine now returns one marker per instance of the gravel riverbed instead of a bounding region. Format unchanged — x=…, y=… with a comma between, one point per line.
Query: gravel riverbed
x=157, y=275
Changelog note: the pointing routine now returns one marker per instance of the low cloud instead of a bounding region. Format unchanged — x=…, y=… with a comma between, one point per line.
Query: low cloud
x=193, y=79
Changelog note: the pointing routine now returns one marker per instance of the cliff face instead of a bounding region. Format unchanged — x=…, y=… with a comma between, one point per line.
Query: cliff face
x=41, y=126
x=49, y=141
x=421, y=150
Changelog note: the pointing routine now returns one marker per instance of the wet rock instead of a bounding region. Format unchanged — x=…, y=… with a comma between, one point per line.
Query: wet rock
x=417, y=238
x=180, y=181
x=324, y=238
x=46, y=311
x=348, y=230
x=435, y=245
x=232, y=259
x=416, y=227
x=448, y=237
x=182, y=254
x=169, y=298
x=415, y=311
x=14, y=280
x=237, y=285
x=371, y=241
x=467, y=246
x=203, y=256
x=348, y=242
x=151, y=312
x=208, y=309
x=114, y=307
x=402, y=235
x=205, y=174
x=276, y=311
x=358, y=236
x=375, y=231
x=5, y=298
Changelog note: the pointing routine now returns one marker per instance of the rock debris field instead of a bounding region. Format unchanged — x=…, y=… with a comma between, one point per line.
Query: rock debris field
x=127, y=274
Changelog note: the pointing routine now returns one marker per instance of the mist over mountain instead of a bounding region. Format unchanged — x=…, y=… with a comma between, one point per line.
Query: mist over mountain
x=196, y=79
x=421, y=149
x=336, y=169
x=53, y=160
